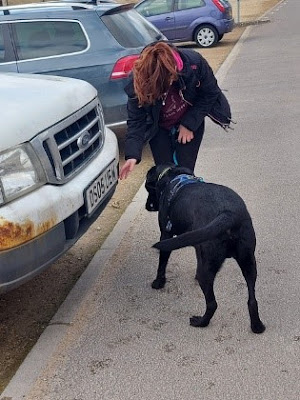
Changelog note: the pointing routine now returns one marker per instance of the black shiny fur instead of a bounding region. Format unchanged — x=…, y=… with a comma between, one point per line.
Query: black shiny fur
x=215, y=221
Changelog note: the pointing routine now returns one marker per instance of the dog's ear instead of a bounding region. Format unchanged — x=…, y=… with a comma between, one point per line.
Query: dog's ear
x=150, y=185
x=151, y=179
x=152, y=202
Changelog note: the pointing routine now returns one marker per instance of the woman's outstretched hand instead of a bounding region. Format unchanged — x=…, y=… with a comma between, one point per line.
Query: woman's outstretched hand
x=127, y=168
x=185, y=135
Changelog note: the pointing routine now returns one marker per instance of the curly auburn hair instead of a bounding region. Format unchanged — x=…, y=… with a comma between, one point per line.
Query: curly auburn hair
x=154, y=72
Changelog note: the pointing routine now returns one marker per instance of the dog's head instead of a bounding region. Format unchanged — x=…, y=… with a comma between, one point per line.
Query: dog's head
x=157, y=178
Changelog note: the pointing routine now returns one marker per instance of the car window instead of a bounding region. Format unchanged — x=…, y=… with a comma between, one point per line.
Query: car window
x=155, y=7
x=186, y=4
x=130, y=29
x=2, y=52
x=36, y=39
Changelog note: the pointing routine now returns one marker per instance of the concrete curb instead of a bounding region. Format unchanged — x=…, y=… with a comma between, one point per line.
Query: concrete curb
x=262, y=20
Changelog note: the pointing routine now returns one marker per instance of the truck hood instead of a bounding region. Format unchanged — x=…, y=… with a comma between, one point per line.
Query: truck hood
x=29, y=104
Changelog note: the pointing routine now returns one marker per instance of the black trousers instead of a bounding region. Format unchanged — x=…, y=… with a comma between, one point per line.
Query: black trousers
x=162, y=148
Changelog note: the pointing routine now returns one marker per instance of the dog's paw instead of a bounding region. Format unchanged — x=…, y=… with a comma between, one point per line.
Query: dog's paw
x=158, y=283
x=258, y=327
x=198, y=322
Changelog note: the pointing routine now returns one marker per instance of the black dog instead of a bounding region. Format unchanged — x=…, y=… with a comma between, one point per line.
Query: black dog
x=212, y=218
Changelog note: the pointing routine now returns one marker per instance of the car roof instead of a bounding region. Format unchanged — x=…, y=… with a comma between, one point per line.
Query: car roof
x=95, y=2
x=104, y=8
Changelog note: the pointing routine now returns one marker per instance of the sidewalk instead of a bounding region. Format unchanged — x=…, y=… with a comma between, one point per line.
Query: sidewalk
x=114, y=338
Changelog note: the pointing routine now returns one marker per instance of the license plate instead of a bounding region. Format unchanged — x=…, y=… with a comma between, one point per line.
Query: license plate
x=96, y=192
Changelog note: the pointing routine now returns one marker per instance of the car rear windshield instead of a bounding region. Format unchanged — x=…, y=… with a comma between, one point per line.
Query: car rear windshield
x=130, y=29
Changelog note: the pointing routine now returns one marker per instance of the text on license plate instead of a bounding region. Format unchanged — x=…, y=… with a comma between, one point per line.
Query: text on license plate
x=97, y=190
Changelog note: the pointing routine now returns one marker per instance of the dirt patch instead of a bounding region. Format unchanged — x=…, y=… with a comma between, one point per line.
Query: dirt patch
x=26, y=311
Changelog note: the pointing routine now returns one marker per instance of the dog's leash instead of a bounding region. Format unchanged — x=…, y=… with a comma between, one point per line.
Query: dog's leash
x=173, y=135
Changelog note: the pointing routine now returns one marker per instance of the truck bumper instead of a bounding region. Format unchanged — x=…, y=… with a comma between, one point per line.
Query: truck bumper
x=51, y=237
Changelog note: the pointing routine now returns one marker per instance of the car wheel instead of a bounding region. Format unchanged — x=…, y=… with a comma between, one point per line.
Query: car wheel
x=206, y=36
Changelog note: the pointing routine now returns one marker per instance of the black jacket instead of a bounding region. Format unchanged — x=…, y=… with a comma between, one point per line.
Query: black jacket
x=199, y=87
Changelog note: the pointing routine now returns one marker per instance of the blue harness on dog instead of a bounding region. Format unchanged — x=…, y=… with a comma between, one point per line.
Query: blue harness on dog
x=179, y=182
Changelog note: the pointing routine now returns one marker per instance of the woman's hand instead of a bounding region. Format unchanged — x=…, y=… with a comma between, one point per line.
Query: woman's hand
x=185, y=135
x=127, y=168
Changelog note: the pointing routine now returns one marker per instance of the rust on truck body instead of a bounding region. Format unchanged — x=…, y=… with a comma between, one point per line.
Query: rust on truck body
x=14, y=234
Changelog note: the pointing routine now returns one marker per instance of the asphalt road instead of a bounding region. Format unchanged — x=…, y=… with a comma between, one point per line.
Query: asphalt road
x=115, y=338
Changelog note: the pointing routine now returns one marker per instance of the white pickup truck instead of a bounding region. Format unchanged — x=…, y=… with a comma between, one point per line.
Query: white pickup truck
x=58, y=170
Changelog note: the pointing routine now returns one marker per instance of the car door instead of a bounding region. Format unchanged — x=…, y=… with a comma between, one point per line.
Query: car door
x=185, y=13
x=161, y=14
x=7, y=57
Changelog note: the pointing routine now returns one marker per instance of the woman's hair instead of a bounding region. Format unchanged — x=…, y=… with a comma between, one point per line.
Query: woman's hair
x=154, y=72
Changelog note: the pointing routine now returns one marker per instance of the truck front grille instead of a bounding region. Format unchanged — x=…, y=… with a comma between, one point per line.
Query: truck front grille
x=72, y=152
x=73, y=143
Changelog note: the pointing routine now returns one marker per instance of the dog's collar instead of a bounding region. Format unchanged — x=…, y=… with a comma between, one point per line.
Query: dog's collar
x=163, y=173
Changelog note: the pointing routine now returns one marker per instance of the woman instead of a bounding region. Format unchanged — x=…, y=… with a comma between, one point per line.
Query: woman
x=170, y=93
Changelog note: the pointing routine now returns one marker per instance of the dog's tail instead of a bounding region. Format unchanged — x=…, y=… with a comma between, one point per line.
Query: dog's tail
x=219, y=225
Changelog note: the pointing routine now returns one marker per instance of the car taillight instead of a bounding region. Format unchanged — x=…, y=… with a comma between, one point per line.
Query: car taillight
x=123, y=67
x=219, y=4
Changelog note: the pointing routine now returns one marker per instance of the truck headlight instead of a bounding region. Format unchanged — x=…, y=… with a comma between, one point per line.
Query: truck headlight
x=20, y=172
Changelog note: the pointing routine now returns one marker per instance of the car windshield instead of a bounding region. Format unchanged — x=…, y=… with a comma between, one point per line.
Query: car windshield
x=130, y=29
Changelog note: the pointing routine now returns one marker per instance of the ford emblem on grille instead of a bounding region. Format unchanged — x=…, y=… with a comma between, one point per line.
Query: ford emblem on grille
x=83, y=140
